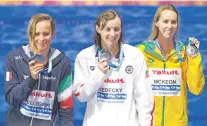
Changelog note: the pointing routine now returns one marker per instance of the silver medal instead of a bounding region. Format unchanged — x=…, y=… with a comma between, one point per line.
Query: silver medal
x=105, y=54
x=191, y=49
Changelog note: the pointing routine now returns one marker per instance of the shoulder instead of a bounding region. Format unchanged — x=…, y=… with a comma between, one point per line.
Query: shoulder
x=60, y=56
x=145, y=44
x=66, y=60
x=132, y=52
x=129, y=49
x=87, y=52
x=16, y=53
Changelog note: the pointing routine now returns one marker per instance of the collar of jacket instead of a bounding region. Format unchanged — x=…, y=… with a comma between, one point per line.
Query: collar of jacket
x=118, y=53
x=56, y=56
x=152, y=49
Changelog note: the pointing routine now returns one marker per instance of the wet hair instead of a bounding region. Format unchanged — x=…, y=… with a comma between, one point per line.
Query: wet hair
x=101, y=22
x=155, y=30
x=31, y=29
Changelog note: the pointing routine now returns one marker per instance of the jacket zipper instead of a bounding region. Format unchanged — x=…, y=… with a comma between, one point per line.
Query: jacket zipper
x=38, y=88
x=31, y=121
x=163, y=100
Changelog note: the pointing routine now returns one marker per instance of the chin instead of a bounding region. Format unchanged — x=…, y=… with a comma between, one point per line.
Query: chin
x=168, y=37
x=110, y=46
x=40, y=49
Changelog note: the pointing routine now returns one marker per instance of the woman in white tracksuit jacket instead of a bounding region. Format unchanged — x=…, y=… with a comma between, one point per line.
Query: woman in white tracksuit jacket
x=114, y=89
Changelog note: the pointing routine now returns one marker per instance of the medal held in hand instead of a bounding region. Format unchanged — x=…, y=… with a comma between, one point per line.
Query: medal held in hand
x=191, y=49
x=38, y=58
x=106, y=54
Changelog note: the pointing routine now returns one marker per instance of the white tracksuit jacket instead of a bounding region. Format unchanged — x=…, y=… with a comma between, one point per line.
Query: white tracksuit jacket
x=119, y=98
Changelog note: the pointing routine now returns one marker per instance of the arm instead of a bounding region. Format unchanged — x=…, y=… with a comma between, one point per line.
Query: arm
x=143, y=96
x=193, y=66
x=195, y=75
x=15, y=91
x=86, y=85
x=65, y=99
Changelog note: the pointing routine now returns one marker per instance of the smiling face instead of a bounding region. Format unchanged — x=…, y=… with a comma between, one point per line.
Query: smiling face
x=167, y=24
x=110, y=34
x=41, y=29
x=43, y=36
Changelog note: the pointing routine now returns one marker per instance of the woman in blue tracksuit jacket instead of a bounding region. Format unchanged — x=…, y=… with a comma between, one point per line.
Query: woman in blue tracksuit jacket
x=38, y=91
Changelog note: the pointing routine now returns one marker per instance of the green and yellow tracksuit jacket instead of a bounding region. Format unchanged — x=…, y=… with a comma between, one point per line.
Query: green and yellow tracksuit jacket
x=169, y=79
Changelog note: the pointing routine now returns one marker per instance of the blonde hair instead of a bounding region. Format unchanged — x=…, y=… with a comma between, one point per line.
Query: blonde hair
x=155, y=30
x=101, y=22
x=31, y=29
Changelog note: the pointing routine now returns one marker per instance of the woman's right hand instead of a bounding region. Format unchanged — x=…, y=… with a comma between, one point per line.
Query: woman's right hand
x=103, y=65
x=35, y=67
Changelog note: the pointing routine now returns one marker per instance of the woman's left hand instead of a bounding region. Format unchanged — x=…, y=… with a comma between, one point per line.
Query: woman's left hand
x=195, y=41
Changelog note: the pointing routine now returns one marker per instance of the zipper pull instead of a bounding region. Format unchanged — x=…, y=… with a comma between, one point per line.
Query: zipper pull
x=164, y=64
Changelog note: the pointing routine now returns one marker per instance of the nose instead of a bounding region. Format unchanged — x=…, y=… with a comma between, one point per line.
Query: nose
x=170, y=25
x=41, y=37
x=112, y=33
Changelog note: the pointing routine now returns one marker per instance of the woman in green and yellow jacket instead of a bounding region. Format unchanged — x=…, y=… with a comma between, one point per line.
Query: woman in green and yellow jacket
x=170, y=69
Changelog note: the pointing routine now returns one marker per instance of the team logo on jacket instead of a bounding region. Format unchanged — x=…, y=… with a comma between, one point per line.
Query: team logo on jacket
x=129, y=69
x=49, y=77
x=25, y=77
x=150, y=61
x=17, y=57
x=92, y=68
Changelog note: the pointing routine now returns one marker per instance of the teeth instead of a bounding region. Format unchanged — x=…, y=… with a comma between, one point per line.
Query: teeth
x=41, y=43
x=112, y=39
x=168, y=32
